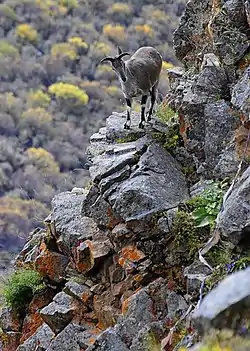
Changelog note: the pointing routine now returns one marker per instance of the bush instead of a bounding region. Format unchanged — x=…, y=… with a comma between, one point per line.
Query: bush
x=27, y=32
x=7, y=11
x=120, y=8
x=7, y=49
x=145, y=29
x=38, y=115
x=20, y=288
x=114, y=32
x=167, y=65
x=38, y=99
x=69, y=91
x=43, y=160
x=70, y=4
x=78, y=42
x=64, y=51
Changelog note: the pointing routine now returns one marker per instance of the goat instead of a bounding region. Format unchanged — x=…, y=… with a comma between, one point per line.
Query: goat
x=138, y=76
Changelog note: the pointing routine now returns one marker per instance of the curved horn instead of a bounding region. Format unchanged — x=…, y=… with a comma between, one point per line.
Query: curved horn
x=119, y=50
x=108, y=58
x=123, y=54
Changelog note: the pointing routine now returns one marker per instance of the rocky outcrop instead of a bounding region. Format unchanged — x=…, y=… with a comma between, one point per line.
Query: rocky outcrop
x=122, y=258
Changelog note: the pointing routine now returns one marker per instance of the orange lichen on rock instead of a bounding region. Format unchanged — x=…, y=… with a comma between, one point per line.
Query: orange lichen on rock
x=51, y=264
x=131, y=253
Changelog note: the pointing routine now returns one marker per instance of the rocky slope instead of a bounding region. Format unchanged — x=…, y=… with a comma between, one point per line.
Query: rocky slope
x=125, y=266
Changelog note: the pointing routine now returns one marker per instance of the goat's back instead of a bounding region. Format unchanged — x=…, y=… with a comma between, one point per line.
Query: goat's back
x=145, y=64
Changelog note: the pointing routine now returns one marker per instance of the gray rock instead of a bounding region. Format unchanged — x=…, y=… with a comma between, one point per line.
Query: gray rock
x=108, y=341
x=9, y=320
x=69, y=225
x=78, y=291
x=241, y=93
x=195, y=274
x=115, y=127
x=226, y=305
x=59, y=312
x=220, y=124
x=67, y=340
x=233, y=221
x=149, y=338
x=40, y=340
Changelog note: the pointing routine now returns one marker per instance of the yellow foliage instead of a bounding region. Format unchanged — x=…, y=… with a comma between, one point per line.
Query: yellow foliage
x=38, y=114
x=167, y=65
x=112, y=90
x=101, y=48
x=78, y=42
x=89, y=84
x=38, y=99
x=69, y=91
x=114, y=31
x=145, y=29
x=120, y=7
x=27, y=32
x=44, y=161
x=7, y=49
x=64, y=51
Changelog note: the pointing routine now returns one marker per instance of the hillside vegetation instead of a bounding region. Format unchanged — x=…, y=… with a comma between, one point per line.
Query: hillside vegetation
x=54, y=95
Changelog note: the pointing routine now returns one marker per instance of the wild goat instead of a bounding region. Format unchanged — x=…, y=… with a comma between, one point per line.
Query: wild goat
x=139, y=76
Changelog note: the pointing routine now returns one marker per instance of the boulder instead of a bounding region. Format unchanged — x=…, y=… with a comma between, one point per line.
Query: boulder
x=52, y=265
x=233, y=220
x=59, y=313
x=227, y=305
x=39, y=340
x=67, y=340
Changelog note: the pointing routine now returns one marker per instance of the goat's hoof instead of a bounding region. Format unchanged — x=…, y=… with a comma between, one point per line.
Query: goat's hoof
x=126, y=126
x=141, y=125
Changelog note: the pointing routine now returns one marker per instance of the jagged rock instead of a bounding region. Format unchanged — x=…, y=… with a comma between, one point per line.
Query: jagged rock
x=204, y=23
x=9, y=320
x=40, y=340
x=241, y=93
x=108, y=341
x=67, y=223
x=196, y=274
x=31, y=249
x=33, y=319
x=233, y=220
x=59, y=312
x=220, y=120
x=149, y=338
x=114, y=131
x=67, y=340
x=79, y=291
x=227, y=305
x=106, y=309
x=52, y=265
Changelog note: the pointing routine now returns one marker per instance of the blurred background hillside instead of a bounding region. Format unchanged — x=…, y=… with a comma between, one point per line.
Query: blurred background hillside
x=53, y=94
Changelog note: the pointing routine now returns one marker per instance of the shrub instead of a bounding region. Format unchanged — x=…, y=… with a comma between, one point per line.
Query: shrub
x=120, y=8
x=43, y=160
x=38, y=99
x=27, y=32
x=115, y=32
x=78, y=42
x=38, y=114
x=64, y=51
x=7, y=49
x=145, y=29
x=20, y=288
x=69, y=91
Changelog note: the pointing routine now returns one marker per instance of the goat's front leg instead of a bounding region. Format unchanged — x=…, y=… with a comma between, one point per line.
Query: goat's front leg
x=143, y=106
x=153, y=98
x=129, y=108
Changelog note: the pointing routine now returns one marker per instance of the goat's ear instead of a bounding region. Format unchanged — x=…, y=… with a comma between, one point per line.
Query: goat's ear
x=123, y=54
x=108, y=58
x=119, y=50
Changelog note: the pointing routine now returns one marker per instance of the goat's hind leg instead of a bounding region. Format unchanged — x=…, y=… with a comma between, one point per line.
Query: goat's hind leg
x=143, y=107
x=129, y=108
x=153, y=93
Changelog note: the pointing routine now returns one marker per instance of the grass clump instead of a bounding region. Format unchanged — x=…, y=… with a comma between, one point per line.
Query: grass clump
x=20, y=288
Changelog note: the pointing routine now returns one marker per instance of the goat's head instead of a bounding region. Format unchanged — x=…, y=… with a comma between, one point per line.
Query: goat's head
x=117, y=63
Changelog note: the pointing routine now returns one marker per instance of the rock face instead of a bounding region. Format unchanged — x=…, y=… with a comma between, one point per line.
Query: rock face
x=120, y=258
